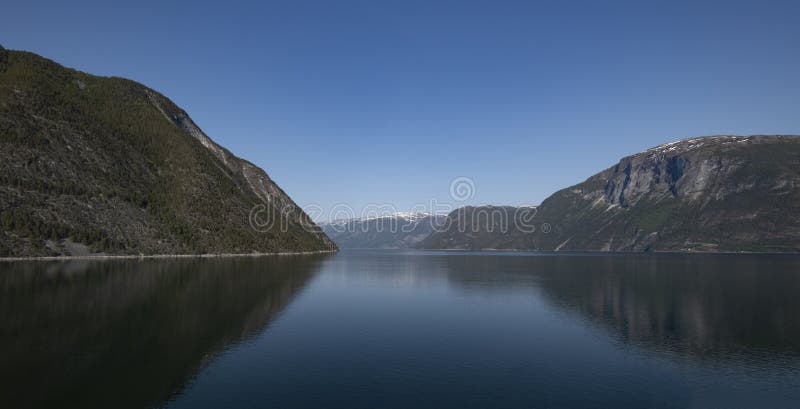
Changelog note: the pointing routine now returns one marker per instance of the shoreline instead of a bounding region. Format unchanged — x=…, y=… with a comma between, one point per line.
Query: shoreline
x=155, y=256
x=450, y=250
x=593, y=252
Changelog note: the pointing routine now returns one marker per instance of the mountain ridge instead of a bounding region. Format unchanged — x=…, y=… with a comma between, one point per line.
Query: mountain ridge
x=400, y=230
x=119, y=168
x=716, y=193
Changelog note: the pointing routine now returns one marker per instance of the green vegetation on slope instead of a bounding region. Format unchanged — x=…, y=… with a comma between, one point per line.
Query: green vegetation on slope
x=722, y=193
x=96, y=160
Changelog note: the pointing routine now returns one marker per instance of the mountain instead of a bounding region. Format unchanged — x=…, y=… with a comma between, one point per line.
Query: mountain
x=394, y=231
x=717, y=193
x=483, y=228
x=106, y=165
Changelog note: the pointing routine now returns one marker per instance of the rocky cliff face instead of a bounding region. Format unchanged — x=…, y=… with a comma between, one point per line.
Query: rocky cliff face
x=720, y=193
x=106, y=165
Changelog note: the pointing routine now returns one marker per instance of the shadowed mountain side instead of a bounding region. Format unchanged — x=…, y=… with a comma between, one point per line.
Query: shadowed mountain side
x=671, y=304
x=94, y=164
x=133, y=331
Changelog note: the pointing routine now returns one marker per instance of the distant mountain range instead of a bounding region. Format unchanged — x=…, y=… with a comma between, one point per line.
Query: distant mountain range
x=391, y=231
x=106, y=165
x=717, y=193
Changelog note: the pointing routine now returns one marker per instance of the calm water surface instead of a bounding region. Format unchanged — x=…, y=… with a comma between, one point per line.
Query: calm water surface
x=393, y=329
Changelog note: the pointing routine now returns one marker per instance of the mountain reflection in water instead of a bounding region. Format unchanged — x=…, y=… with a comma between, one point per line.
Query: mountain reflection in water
x=401, y=329
x=133, y=332
x=697, y=306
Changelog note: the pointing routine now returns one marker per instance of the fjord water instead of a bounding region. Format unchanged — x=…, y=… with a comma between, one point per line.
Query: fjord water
x=400, y=329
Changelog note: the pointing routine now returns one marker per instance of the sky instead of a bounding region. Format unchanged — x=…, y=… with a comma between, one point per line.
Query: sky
x=365, y=104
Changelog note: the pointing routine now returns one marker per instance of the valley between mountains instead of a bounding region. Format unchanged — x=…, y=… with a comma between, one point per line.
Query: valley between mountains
x=103, y=165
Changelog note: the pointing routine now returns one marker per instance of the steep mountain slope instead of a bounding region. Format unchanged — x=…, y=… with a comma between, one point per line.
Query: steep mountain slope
x=396, y=231
x=720, y=193
x=97, y=164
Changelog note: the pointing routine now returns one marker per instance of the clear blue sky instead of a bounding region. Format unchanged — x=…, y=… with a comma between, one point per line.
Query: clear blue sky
x=386, y=102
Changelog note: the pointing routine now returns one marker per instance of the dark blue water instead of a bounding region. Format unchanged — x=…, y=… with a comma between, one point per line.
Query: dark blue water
x=393, y=329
